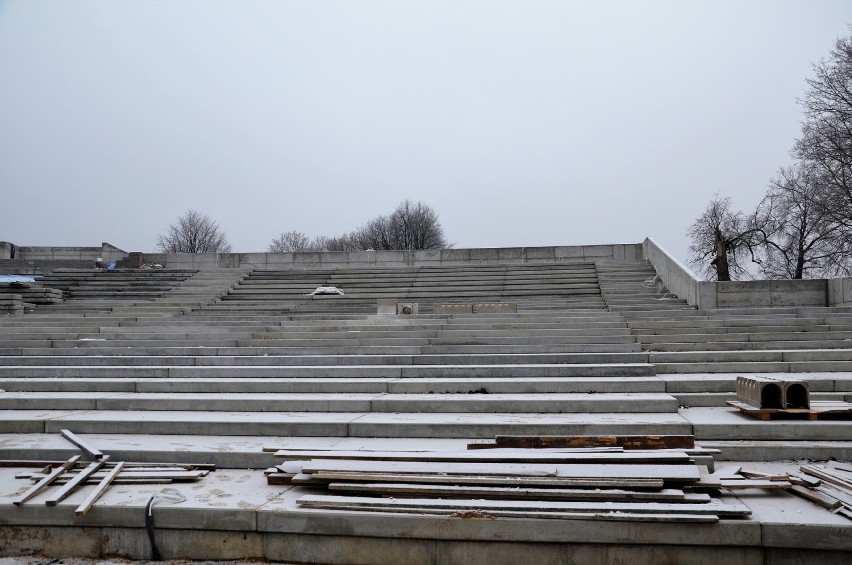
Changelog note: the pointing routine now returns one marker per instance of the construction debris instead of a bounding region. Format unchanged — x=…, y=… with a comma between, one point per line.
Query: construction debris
x=100, y=472
x=592, y=483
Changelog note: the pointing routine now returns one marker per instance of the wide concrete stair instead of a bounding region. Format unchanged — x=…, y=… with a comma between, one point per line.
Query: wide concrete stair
x=594, y=349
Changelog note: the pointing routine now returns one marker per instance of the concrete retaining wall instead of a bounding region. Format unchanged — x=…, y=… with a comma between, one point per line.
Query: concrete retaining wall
x=7, y=250
x=771, y=293
x=840, y=292
x=707, y=295
x=106, y=251
x=677, y=277
x=440, y=257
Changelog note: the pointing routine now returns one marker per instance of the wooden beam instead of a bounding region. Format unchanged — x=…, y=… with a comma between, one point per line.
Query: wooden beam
x=82, y=444
x=720, y=509
x=610, y=455
x=627, y=442
x=816, y=497
x=46, y=481
x=530, y=514
x=414, y=490
x=323, y=477
x=87, y=504
x=75, y=481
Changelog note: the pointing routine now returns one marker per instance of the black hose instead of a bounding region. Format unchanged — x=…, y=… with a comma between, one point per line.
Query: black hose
x=149, y=525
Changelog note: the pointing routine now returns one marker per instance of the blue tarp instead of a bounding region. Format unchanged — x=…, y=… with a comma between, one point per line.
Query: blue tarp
x=16, y=278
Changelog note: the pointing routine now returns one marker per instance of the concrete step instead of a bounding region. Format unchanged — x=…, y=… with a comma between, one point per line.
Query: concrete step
x=334, y=371
x=470, y=385
x=340, y=424
x=341, y=402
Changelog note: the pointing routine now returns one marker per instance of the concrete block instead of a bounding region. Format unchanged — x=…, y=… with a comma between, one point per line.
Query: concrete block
x=506, y=254
x=335, y=258
x=452, y=309
x=598, y=251
x=390, y=258
x=484, y=255
x=256, y=260
x=455, y=255
x=426, y=257
x=541, y=254
x=385, y=306
x=840, y=292
x=362, y=258
x=495, y=308
x=767, y=392
x=303, y=259
x=407, y=308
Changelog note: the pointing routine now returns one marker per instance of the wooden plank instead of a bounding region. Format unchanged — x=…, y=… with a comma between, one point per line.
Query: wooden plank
x=626, y=442
x=279, y=479
x=494, y=514
x=29, y=463
x=617, y=455
x=840, y=466
x=330, y=476
x=837, y=494
x=46, y=481
x=82, y=444
x=508, y=469
x=588, y=470
x=414, y=490
x=87, y=504
x=736, y=484
x=75, y=481
x=805, y=481
x=175, y=476
x=825, y=475
x=816, y=497
x=718, y=509
x=764, y=476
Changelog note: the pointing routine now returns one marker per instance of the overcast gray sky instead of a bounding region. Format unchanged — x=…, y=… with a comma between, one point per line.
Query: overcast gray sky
x=522, y=123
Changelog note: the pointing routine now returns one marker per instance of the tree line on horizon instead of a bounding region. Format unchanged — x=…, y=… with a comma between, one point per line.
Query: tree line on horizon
x=411, y=226
x=802, y=228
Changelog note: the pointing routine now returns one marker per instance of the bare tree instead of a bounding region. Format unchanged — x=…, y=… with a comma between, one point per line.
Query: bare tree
x=798, y=237
x=721, y=241
x=194, y=233
x=288, y=242
x=826, y=141
x=415, y=225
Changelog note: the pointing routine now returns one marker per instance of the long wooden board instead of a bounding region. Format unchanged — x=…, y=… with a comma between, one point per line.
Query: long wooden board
x=626, y=442
x=175, y=475
x=588, y=470
x=413, y=490
x=82, y=444
x=717, y=509
x=496, y=456
x=499, y=469
x=90, y=500
x=531, y=514
x=74, y=482
x=323, y=477
x=46, y=481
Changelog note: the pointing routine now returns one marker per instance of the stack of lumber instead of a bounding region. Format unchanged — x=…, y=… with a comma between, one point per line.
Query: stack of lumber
x=65, y=477
x=601, y=483
x=829, y=486
x=11, y=304
x=32, y=293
